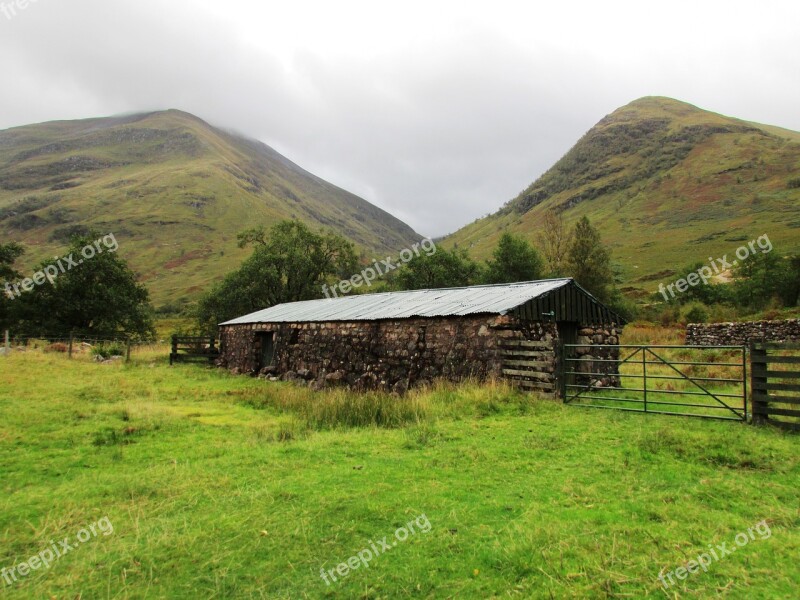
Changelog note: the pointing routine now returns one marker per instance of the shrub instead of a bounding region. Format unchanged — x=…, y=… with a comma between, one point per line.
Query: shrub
x=696, y=314
x=669, y=316
x=109, y=349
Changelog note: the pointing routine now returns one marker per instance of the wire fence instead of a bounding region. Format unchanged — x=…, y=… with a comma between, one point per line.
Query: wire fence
x=76, y=346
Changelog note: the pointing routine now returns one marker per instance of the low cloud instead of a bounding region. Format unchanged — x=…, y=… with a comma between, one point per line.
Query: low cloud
x=438, y=124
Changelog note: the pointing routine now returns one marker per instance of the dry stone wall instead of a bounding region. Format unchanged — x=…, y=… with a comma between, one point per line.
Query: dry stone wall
x=396, y=354
x=593, y=356
x=371, y=354
x=739, y=334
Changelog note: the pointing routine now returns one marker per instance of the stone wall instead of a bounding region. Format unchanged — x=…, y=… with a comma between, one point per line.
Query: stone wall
x=592, y=338
x=365, y=355
x=738, y=334
x=395, y=354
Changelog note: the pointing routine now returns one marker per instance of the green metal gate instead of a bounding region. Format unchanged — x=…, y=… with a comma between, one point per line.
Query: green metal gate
x=693, y=381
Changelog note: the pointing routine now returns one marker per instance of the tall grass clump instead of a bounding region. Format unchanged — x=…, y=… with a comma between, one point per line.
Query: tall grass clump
x=346, y=409
x=473, y=398
x=339, y=408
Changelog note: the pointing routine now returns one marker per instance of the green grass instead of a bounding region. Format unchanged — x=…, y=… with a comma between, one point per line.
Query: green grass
x=220, y=486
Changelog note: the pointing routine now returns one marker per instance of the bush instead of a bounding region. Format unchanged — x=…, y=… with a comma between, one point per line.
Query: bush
x=696, y=314
x=109, y=349
x=719, y=313
x=669, y=316
x=625, y=307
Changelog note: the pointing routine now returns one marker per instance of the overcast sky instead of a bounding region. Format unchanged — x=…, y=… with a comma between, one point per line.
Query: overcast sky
x=438, y=112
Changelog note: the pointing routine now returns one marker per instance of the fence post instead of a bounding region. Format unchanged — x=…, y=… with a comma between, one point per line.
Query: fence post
x=174, y=347
x=744, y=381
x=560, y=383
x=758, y=384
x=71, y=338
x=644, y=377
x=128, y=351
x=8, y=344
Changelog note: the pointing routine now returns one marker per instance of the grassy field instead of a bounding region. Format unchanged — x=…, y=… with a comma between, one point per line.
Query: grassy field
x=219, y=486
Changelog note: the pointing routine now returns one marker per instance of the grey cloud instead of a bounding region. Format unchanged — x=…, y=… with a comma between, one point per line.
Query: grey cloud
x=438, y=135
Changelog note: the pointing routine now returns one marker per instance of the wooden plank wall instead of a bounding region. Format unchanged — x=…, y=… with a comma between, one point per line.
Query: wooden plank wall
x=530, y=365
x=775, y=383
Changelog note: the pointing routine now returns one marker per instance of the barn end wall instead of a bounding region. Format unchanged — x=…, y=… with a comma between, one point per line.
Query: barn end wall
x=389, y=354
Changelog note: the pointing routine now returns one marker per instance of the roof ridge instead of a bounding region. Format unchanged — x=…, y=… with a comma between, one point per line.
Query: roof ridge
x=484, y=299
x=446, y=289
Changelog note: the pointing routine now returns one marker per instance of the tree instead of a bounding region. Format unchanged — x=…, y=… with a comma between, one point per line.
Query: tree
x=98, y=296
x=9, y=253
x=589, y=261
x=710, y=293
x=289, y=263
x=445, y=268
x=556, y=241
x=762, y=278
x=514, y=259
x=789, y=289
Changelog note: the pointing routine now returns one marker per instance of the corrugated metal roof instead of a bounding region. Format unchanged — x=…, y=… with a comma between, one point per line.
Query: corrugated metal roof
x=491, y=299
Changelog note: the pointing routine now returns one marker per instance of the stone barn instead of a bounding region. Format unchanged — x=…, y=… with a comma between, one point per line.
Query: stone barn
x=396, y=340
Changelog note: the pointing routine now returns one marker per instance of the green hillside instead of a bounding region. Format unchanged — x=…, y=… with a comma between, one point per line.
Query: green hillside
x=667, y=184
x=174, y=190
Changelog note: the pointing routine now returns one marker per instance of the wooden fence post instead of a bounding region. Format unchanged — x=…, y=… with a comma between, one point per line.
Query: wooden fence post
x=559, y=389
x=8, y=344
x=758, y=384
x=128, y=351
x=174, y=348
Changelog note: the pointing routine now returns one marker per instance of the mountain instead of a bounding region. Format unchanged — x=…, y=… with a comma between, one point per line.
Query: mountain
x=667, y=184
x=173, y=190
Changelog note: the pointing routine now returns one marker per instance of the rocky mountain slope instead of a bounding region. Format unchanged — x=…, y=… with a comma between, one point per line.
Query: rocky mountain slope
x=174, y=190
x=667, y=184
